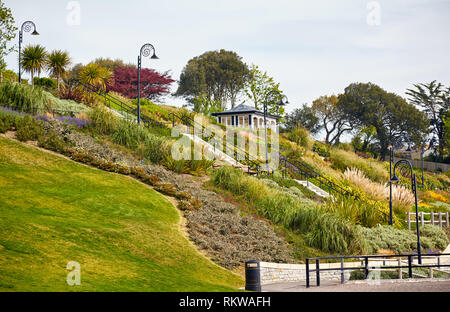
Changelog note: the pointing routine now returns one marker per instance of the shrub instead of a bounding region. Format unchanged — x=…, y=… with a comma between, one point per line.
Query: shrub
x=4, y=126
x=28, y=129
x=323, y=230
x=129, y=134
x=155, y=148
x=192, y=204
x=104, y=121
x=194, y=167
x=10, y=117
x=52, y=142
x=354, y=210
x=436, y=234
x=45, y=82
x=401, y=241
x=300, y=136
x=375, y=171
x=166, y=188
x=23, y=97
x=321, y=149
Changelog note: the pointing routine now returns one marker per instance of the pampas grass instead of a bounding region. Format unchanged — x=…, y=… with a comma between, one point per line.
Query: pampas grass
x=402, y=198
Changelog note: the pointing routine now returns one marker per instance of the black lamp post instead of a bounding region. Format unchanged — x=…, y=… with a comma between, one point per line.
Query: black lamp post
x=391, y=160
x=146, y=50
x=281, y=103
x=421, y=157
x=26, y=27
x=414, y=189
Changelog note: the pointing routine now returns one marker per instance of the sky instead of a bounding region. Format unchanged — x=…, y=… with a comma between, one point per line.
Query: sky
x=312, y=48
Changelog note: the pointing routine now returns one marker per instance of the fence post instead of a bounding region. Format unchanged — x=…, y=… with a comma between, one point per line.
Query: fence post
x=410, y=266
x=432, y=218
x=440, y=220
x=400, y=274
x=317, y=273
x=421, y=215
x=366, y=267
x=342, y=271
x=447, y=219
x=307, y=273
x=409, y=221
x=431, y=272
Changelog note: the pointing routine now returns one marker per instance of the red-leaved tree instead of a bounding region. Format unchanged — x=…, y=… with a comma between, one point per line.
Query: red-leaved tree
x=153, y=84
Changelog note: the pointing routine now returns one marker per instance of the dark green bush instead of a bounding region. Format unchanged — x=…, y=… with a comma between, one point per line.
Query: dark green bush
x=321, y=149
x=52, y=142
x=45, y=82
x=300, y=136
x=28, y=129
x=4, y=126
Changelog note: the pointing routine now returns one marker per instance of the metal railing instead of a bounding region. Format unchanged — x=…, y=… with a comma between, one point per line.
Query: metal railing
x=117, y=104
x=366, y=267
x=194, y=128
x=310, y=174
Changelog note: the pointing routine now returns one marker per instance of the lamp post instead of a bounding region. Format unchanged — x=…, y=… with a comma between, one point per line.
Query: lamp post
x=421, y=157
x=414, y=189
x=26, y=27
x=281, y=103
x=391, y=160
x=146, y=50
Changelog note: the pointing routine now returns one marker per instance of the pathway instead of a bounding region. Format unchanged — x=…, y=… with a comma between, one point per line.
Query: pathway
x=413, y=285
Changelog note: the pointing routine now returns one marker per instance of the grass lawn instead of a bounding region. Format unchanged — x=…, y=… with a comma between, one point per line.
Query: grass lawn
x=124, y=235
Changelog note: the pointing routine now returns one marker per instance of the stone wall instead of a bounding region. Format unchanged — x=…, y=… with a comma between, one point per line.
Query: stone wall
x=281, y=272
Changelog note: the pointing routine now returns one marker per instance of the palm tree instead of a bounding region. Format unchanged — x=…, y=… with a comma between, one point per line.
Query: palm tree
x=95, y=75
x=58, y=61
x=34, y=60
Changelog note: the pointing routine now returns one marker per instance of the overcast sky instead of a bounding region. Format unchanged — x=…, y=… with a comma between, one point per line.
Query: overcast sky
x=312, y=48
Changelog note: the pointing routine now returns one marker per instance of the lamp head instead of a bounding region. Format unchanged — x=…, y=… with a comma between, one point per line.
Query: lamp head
x=395, y=178
x=35, y=33
x=154, y=57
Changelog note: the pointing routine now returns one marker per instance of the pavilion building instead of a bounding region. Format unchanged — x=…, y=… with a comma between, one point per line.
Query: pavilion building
x=246, y=117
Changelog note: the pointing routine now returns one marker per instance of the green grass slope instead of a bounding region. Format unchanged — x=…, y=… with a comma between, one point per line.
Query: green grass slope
x=124, y=235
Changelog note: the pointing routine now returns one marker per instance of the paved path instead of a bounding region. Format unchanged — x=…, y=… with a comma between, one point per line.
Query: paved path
x=424, y=285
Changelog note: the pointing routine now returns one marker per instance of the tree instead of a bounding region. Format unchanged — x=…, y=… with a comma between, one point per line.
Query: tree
x=110, y=64
x=153, y=84
x=333, y=118
x=7, y=33
x=220, y=75
x=435, y=100
x=95, y=75
x=362, y=141
x=257, y=86
x=395, y=121
x=205, y=106
x=34, y=60
x=304, y=117
x=58, y=61
x=73, y=73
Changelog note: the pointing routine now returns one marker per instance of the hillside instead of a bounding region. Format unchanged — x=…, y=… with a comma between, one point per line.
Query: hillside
x=124, y=235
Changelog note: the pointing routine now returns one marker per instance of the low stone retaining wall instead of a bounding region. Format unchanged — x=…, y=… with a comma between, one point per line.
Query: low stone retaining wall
x=281, y=272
